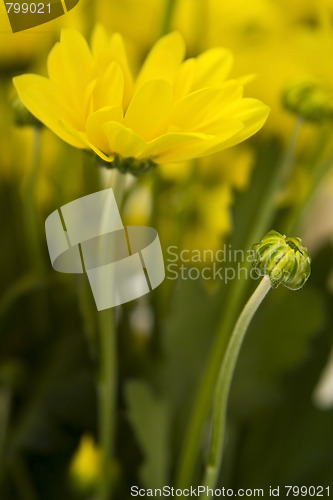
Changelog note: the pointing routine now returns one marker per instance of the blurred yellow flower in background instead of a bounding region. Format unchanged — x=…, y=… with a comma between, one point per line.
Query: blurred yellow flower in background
x=123, y=17
x=200, y=195
x=86, y=463
x=209, y=221
x=173, y=110
x=279, y=41
x=85, y=466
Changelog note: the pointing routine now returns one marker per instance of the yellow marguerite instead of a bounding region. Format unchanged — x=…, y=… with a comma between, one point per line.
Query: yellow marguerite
x=174, y=110
x=86, y=463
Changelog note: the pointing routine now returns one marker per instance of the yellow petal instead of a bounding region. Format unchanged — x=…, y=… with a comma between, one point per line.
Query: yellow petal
x=149, y=111
x=213, y=67
x=245, y=79
x=118, y=53
x=55, y=66
x=224, y=139
x=225, y=127
x=175, y=147
x=87, y=104
x=99, y=45
x=41, y=98
x=163, y=60
x=184, y=79
x=77, y=60
x=109, y=88
x=122, y=140
x=196, y=110
x=84, y=141
x=252, y=113
x=59, y=76
x=95, y=122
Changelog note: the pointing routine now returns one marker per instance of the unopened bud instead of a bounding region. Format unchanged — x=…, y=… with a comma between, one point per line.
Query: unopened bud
x=283, y=259
x=308, y=99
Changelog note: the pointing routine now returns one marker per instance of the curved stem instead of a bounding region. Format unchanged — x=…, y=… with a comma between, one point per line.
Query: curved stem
x=320, y=174
x=281, y=177
x=224, y=381
x=235, y=296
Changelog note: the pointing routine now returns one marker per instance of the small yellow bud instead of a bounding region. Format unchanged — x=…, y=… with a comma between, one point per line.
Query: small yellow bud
x=86, y=463
x=86, y=466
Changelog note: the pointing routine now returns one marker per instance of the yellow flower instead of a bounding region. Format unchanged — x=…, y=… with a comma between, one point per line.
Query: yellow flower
x=279, y=41
x=85, y=466
x=210, y=217
x=173, y=110
x=123, y=17
x=86, y=463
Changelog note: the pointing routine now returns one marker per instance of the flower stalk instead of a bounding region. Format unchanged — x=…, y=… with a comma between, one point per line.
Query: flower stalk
x=225, y=378
x=321, y=173
x=107, y=389
x=280, y=260
x=262, y=220
x=31, y=211
x=108, y=369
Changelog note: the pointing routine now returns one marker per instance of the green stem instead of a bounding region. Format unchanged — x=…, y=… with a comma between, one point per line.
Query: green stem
x=281, y=177
x=107, y=391
x=167, y=18
x=30, y=211
x=320, y=174
x=224, y=381
x=87, y=309
x=118, y=183
x=107, y=380
x=262, y=220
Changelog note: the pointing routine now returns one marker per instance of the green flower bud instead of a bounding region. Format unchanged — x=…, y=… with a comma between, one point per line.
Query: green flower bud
x=308, y=99
x=283, y=259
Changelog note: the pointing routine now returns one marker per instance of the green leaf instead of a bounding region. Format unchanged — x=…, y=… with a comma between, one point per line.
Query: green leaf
x=187, y=334
x=149, y=418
